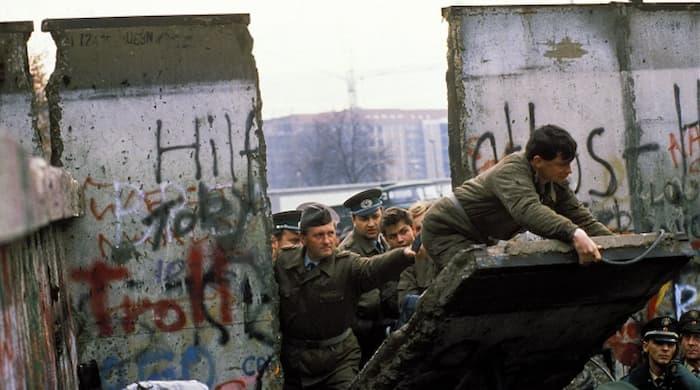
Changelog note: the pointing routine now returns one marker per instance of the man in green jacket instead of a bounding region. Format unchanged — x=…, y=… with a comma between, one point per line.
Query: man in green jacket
x=319, y=287
x=377, y=309
x=524, y=191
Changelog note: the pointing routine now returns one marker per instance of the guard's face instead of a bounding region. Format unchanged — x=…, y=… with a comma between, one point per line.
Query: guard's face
x=691, y=346
x=368, y=225
x=399, y=235
x=289, y=239
x=660, y=352
x=556, y=170
x=319, y=241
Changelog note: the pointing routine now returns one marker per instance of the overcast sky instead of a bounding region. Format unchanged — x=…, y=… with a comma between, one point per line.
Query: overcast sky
x=306, y=49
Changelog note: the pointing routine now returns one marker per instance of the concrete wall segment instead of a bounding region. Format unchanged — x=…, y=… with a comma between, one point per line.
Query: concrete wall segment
x=34, y=193
x=170, y=271
x=37, y=343
x=623, y=78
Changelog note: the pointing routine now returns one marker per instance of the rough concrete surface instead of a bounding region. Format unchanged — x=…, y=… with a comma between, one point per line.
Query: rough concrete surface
x=170, y=275
x=623, y=78
x=33, y=193
x=516, y=323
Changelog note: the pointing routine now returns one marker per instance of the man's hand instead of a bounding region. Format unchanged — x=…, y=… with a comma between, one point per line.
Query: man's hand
x=588, y=251
x=408, y=252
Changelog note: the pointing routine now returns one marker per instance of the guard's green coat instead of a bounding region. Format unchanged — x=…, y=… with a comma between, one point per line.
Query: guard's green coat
x=320, y=304
x=376, y=307
x=501, y=202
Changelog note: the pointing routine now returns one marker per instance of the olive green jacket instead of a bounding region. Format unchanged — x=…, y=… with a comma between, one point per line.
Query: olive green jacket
x=507, y=199
x=320, y=304
x=500, y=202
x=356, y=242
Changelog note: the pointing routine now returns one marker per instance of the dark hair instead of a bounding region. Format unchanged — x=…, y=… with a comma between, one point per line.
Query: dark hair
x=548, y=142
x=394, y=215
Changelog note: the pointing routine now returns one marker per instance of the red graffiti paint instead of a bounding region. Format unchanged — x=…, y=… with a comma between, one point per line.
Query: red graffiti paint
x=237, y=384
x=695, y=244
x=222, y=285
x=673, y=147
x=161, y=309
x=194, y=266
x=98, y=277
x=625, y=344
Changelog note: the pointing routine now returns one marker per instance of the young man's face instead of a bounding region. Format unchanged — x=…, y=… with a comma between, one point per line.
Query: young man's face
x=556, y=170
x=368, y=225
x=319, y=241
x=660, y=352
x=691, y=346
x=399, y=235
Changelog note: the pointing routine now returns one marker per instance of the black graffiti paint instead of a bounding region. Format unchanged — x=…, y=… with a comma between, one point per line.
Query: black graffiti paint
x=531, y=111
x=511, y=147
x=160, y=216
x=161, y=150
x=612, y=183
x=483, y=138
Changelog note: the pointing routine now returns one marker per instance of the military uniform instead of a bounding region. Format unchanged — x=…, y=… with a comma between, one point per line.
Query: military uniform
x=674, y=375
x=376, y=309
x=689, y=324
x=317, y=308
x=499, y=203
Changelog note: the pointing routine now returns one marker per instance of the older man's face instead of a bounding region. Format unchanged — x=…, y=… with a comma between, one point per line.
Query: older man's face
x=691, y=346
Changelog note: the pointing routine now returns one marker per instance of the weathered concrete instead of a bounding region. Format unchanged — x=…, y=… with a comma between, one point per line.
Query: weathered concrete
x=16, y=94
x=37, y=335
x=170, y=271
x=520, y=318
x=33, y=193
x=623, y=78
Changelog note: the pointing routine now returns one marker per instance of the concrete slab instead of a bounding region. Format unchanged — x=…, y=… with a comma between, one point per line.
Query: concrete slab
x=510, y=317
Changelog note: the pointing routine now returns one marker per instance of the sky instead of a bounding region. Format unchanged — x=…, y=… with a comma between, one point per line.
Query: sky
x=306, y=51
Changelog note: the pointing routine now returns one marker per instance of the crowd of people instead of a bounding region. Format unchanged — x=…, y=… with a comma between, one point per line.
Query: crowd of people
x=341, y=296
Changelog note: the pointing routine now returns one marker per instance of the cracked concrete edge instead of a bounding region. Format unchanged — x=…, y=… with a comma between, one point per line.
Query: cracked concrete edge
x=403, y=349
x=520, y=248
x=33, y=194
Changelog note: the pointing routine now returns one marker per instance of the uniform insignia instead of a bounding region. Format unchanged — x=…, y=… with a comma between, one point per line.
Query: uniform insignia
x=367, y=203
x=666, y=322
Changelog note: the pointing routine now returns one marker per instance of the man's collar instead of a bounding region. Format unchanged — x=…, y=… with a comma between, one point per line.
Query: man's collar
x=366, y=244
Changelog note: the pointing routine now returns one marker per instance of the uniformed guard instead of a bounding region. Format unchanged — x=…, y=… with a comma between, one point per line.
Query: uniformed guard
x=377, y=309
x=524, y=191
x=690, y=340
x=285, y=231
x=319, y=289
x=660, y=370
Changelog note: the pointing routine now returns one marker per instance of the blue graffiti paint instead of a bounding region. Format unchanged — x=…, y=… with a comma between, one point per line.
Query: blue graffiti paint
x=253, y=364
x=156, y=357
x=193, y=355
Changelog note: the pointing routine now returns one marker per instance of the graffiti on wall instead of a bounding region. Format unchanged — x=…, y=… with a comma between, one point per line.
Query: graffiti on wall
x=668, y=195
x=179, y=260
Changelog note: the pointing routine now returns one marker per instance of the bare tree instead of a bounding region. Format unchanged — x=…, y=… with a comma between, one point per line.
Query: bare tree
x=40, y=106
x=343, y=149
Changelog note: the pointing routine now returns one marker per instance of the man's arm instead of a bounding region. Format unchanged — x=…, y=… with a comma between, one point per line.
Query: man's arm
x=371, y=272
x=514, y=188
x=570, y=207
